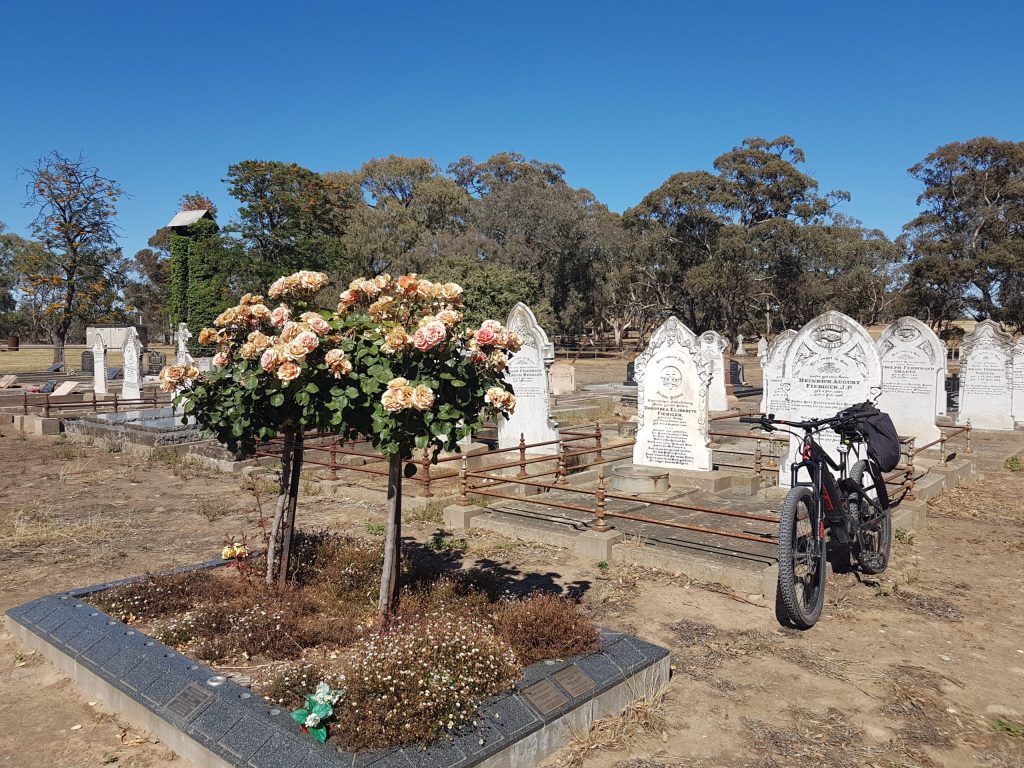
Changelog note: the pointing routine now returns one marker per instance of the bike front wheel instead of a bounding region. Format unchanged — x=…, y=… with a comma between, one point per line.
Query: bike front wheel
x=801, y=589
x=873, y=542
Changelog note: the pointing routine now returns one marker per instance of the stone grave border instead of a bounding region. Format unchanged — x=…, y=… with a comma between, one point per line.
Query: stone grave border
x=213, y=721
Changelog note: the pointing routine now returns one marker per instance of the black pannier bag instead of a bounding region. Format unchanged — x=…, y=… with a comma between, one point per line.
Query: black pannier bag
x=878, y=431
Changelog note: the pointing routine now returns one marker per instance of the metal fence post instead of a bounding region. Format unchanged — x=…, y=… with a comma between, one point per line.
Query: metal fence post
x=334, y=458
x=601, y=525
x=464, y=481
x=522, y=456
x=969, y=448
x=425, y=463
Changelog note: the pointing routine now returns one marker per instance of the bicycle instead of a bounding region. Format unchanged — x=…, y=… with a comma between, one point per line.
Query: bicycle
x=848, y=515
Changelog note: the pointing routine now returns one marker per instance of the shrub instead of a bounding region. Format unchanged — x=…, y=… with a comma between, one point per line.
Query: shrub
x=154, y=596
x=418, y=678
x=446, y=595
x=293, y=681
x=545, y=626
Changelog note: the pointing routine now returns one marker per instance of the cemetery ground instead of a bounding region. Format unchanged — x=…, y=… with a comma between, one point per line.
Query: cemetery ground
x=922, y=667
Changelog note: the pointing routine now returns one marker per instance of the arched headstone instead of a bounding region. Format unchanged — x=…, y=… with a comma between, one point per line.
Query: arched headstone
x=773, y=397
x=986, y=377
x=831, y=364
x=762, y=347
x=132, y=352
x=183, y=335
x=672, y=401
x=528, y=374
x=913, y=378
x=713, y=345
x=99, y=366
x=740, y=349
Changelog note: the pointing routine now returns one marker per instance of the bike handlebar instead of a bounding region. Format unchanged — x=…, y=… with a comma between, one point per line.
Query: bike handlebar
x=767, y=421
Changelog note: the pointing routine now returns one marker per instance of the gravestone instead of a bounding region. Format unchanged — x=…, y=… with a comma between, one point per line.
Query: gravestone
x=713, y=347
x=986, y=377
x=563, y=378
x=773, y=396
x=87, y=364
x=737, y=375
x=99, y=368
x=155, y=362
x=527, y=372
x=65, y=389
x=132, y=352
x=630, y=374
x=7, y=381
x=183, y=335
x=672, y=401
x=913, y=375
x=740, y=350
x=831, y=364
x=1018, y=381
x=762, y=347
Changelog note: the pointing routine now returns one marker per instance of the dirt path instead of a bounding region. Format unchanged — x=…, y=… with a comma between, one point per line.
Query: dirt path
x=917, y=669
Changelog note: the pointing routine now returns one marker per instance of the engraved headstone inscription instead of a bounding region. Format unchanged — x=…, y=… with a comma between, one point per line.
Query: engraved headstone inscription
x=1018, y=381
x=132, y=352
x=986, y=377
x=831, y=364
x=713, y=346
x=672, y=401
x=528, y=373
x=99, y=363
x=773, y=397
x=563, y=378
x=913, y=370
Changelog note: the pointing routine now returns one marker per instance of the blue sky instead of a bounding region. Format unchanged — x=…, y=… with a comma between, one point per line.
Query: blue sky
x=164, y=96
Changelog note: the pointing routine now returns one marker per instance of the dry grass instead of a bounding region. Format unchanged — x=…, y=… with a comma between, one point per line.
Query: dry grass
x=40, y=358
x=811, y=738
x=998, y=495
x=645, y=716
x=40, y=531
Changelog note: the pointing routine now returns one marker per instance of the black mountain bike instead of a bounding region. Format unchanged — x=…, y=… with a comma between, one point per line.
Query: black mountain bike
x=827, y=517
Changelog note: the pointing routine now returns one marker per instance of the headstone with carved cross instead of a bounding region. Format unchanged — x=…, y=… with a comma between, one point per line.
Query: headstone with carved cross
x=183, y=335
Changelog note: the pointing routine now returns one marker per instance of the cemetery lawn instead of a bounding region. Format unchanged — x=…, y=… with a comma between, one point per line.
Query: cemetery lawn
x=33, y=359
x=923, y=667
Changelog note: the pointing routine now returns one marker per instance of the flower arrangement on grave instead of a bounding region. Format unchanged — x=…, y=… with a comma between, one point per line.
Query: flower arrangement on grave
x=394, y=361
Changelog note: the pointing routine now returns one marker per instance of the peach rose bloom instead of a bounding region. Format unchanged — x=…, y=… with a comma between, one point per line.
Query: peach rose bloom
x=280, y=316
x=260, y=312
x=221, y=360
x=248, y=350
x=227, y=317
x=451, y=291
x=395, y=340
x=288, y=371
x=425, y=289
x=494, y=325
x=316, y=323
x=348, y=298
x=422, y=398
x=485, y=337
x=408, y=283
x=433, y=333
x=309, y=340
x=259, y=340
x=449, y=317
x=270, y=359
x=295, y=350
x=337, y=363
x=292, y=329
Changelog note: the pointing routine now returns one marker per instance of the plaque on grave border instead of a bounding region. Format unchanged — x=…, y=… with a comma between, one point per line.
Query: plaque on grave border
x=188, y=701
x=545, y=697
x=574, y=681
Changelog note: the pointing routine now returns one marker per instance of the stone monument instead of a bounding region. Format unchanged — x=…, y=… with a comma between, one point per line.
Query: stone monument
x=773, y=397
x=132, y=353
x=99, y=366
x=831, y=364
x=740, y=349
x=986, y=377
x=713, y=346
x=563, y=378
x=183, y=335
x=762, y=347
x=1018, y=381
x=528, y=374
x=672, y=401
x=913, y=378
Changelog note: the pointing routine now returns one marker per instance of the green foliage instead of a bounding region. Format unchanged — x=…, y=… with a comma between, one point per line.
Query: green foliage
x=319, y=709
x=1014, y=464
x=1009, y=727
x=177, y=301
x=491, y=288
x=207, y=292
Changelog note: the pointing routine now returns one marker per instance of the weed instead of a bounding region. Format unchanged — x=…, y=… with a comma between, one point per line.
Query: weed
x=545, y=626
x=428, y=513
x=904, y=536
x=376, y=529
x=211, y=509
x=602, y=566
x=1014, y=464
x=67, y=452
x=441, y=542
x=1008, y=727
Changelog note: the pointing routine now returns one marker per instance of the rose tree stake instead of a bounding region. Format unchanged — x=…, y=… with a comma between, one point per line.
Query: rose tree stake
x=393, y=362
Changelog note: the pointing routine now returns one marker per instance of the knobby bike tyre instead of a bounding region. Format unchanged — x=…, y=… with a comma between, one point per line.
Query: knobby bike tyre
x=801, y=589
x=873, y=542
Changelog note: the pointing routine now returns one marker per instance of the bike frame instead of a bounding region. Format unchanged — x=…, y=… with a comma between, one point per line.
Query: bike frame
x=829, y=503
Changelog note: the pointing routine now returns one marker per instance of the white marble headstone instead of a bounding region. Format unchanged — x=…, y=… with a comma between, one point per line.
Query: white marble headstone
x=831, y=364
x=773, y=397
x=913, y=378
x=99, y=366
x=762, y=347
x=528, y=374
x=132, y=352
x=740, y=350
x=713, y=345
x=184, y=334
x=1018, y=381
x=563, y=378
x=986, y=377
x=672, y=378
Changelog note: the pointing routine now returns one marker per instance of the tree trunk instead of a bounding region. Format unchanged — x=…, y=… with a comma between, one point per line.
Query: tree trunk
x=288, y=524
x=58, y=347
x=392, y=543
x=274, y=540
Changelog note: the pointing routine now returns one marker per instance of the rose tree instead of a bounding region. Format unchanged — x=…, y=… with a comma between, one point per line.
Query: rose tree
x=394, y=362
